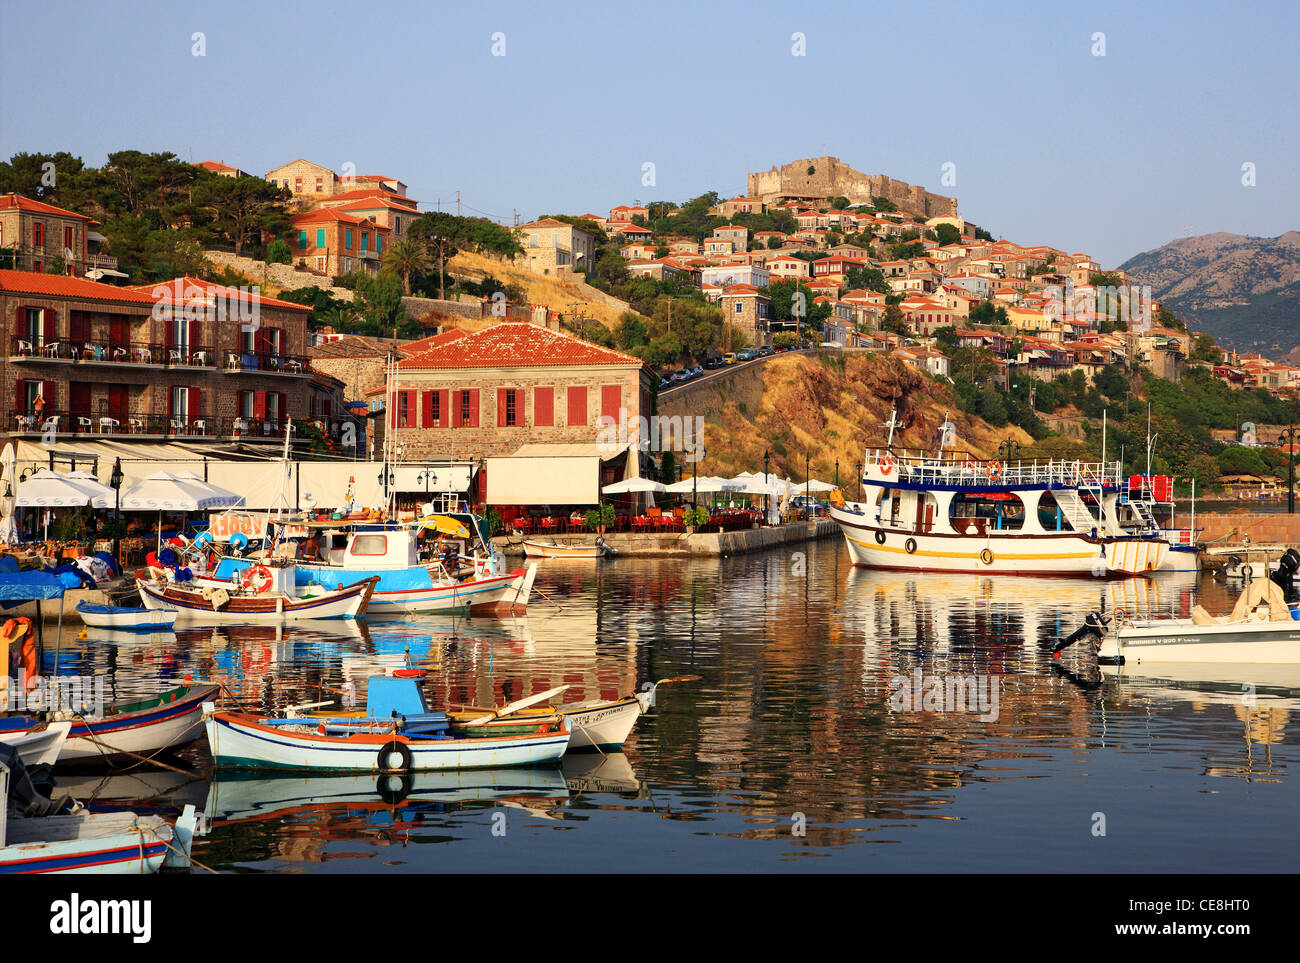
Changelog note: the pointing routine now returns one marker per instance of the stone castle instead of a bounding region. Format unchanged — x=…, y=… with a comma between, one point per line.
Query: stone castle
x=832, y=178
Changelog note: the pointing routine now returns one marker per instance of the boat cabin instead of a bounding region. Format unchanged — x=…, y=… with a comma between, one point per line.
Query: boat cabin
x=391, y=696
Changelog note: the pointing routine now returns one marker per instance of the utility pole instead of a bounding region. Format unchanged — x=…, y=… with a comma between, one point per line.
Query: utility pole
x=458, y=203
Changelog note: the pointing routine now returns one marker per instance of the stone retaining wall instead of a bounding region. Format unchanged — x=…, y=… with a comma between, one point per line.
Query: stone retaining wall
x=682, y=545
x=1228, y=528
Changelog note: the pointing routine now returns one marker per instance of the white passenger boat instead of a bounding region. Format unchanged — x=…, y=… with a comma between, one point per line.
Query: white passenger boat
x=953, y=512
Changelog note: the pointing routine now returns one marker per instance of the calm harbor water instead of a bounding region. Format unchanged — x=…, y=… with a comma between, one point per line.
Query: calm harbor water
x=793, y=752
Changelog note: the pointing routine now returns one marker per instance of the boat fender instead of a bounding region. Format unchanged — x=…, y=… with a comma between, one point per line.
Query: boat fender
x=260, y=578
x=880, y=538
x=986, y=556
x=910, y=546
x=390, y=748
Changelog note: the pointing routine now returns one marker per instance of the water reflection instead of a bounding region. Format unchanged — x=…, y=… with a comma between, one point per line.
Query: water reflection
x=791, y=726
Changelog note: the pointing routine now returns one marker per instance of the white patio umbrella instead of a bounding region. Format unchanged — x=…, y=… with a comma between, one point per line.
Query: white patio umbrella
x=630, y=485
x=194, y=479
x=162, y=491
x=705, y=483
x=47, y=489
x=8, y=477
x=813, y=485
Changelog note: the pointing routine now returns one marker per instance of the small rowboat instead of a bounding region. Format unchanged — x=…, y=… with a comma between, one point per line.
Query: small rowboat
x=85, y=842
x=39, y=744
x=602, y=724
x=534, y=549
x=122, y=617
x=168, y=720
x=211, y=602
x=398, y=733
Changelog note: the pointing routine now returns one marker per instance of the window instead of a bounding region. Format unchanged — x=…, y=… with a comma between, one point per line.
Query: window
x=320, y=185
x=67, y=238
x=512, y=408
x=246, y=404
x=297, y=185
x=347, y=238
x=38, y=234
x=577, y=406
x=740, y=308
x=464, y=408
x=370, y=545
x=320, y=237
x=404, y=410
x=397, y=221
x=365, y=241
x=435, y=407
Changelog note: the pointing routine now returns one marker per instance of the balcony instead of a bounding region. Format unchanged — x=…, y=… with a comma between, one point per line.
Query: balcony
x=265, y=363
x=120, y=353
x=145, y=426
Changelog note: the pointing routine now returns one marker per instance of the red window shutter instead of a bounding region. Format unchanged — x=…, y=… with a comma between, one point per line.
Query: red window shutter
x=426, y=410
x=543, y=407
x=259, y=405
x=49, y=391
x=48, y=322
x=20, y=397
x=455, y=408
x=195, y=409
x=169, y=332
x=502, y=395
x=473, y=408
x=611, y=400
x=577, y=406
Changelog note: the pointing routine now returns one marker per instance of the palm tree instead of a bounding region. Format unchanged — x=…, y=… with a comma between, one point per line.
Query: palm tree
x=405, y=258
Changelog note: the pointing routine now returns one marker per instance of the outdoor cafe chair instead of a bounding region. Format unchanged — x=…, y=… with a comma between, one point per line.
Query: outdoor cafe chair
x=109, y=425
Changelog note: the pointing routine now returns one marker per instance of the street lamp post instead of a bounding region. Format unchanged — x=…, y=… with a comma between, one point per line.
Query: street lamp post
x=115, y=482
x=807, y=484
x=1290, y=434
x=859, y=469
x=837, y=473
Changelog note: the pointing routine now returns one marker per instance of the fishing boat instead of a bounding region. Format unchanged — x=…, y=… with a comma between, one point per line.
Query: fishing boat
x=405, y=585
x=535, y=549
x=264, y=592
x=397, y=733
x=126, y=618
x=601, y=724
x=39, y=744
x=1262, y=628
x=85, y=842
x=950, y=511
x=166, y=721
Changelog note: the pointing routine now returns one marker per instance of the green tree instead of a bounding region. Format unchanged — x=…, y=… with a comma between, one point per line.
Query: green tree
x=277, y=252
x=406, y=258
x=379, y=300
x=947, y=234
x=243, y=210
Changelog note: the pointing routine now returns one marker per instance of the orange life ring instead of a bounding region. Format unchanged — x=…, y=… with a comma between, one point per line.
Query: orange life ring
x=994, y=470
x=260, y=578
x=886, y=464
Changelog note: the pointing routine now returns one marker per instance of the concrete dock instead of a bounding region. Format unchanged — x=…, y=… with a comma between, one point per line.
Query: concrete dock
x=683, y=545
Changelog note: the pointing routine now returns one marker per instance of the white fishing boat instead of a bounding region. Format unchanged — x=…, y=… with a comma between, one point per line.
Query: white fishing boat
x=126, y=618
x=539, y=549
x=38, y=744
x=952, y=512
x=263, y=593
x=397, y=733
x=1262, y=628
x=83, y=842
x=405, y=585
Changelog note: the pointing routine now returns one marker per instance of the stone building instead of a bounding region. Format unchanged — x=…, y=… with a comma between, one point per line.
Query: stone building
x=335, y=243
x=819, y=180
x=40, y=237
x=308, y=181
x=551, y=245
x=488, y=393
x=185, y=359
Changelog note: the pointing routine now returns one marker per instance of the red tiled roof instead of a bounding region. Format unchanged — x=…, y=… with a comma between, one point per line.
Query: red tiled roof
x=412, y=348
x=60, y=285
x=369, y=193
x=12, y=201
x=189, y=286
x=369, y=204
x=515, y=345
x=334, y=214
x=214, y=166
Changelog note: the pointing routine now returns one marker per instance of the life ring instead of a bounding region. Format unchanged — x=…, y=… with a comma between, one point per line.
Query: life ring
x=994, y=470
x=880, y=538
x=886, y=464
x=260, y=578
x=986, y=556
x=384, y=760
x=410, y=673
x=910, y=546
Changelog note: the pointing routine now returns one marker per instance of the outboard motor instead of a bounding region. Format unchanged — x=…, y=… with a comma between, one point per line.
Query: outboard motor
x=1286, y=569
x=1094, y=625
x=22, y=789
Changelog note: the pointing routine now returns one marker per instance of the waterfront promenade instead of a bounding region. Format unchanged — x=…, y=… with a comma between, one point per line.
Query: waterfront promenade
x=683, y=545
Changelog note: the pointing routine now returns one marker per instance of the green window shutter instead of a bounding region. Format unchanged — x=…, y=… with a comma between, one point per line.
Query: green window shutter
x=379, y=244
x=302, y=240
x=320, y=237
x=347, y=239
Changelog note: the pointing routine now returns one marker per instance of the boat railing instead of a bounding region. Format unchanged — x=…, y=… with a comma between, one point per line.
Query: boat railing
x=961, y=468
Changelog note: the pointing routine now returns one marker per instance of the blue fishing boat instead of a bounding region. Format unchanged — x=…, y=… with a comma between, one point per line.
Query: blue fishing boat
x=125, y=617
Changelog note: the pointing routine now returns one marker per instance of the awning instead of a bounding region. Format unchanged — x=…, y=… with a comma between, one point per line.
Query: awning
x=543, y=480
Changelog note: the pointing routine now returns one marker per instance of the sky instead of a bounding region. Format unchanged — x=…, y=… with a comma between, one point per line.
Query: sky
x=539, y=108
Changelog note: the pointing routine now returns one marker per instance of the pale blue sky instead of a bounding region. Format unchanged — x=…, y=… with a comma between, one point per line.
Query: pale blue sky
x=1112, y=155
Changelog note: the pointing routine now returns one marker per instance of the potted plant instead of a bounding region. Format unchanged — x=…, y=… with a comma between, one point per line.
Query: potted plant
x=607, y=516
x=593, y=520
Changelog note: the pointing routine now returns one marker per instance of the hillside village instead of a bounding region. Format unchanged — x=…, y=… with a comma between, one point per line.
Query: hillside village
x=815, y=253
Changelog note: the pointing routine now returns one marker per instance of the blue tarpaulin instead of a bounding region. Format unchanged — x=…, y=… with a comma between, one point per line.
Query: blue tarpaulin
x=19, y=587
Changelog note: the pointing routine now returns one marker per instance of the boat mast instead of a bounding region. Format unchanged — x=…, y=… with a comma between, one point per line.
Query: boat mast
x=891, y=424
